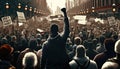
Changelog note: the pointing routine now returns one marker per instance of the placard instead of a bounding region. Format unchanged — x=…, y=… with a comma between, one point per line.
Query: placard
x=6, y=21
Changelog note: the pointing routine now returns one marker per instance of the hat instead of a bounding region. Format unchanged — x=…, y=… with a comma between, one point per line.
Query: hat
x=5, y=50
x=117, y=47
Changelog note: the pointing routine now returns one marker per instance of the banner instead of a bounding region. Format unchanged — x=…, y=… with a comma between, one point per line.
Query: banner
x=6, y=20
x=111, y=21
x=81, y=19
x=21, y=17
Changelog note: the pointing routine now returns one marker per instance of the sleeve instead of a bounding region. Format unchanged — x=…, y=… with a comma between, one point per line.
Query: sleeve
x=66, y=30
x=44, y=56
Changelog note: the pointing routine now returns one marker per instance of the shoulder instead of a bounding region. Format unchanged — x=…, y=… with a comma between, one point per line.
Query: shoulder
x=39, y=52
x=110, y=65
x=92, y=65
x=73, y=64
x=44, y=44
x=92, y=62
x=24, y=51
x=99, y=56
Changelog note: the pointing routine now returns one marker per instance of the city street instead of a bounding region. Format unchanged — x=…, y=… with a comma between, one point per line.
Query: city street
x=59, y=34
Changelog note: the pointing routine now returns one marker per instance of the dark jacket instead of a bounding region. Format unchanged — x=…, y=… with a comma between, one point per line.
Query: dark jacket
x=54, y=55
x=102, y=57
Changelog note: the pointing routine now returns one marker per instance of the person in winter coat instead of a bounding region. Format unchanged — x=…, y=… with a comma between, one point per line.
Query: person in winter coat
x=81, y=61
x=113, y=63
x=54, y=55
x=101, y=58
x=32, y=45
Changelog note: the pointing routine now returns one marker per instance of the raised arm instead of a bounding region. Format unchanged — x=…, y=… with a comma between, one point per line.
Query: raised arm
x=66, y=30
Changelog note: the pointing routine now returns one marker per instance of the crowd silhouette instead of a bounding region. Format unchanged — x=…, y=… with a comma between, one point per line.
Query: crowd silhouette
x=74, y=47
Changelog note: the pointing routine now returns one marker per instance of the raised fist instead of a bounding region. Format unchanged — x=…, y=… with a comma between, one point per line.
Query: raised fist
x=64, y=12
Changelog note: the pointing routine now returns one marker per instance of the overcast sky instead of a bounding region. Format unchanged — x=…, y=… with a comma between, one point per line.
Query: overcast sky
x=54, y=3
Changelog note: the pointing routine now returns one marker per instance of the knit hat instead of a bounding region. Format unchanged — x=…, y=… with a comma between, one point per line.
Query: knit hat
x=117, y=47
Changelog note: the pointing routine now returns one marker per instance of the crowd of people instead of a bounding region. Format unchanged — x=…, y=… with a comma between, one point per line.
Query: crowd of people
x=76, y=47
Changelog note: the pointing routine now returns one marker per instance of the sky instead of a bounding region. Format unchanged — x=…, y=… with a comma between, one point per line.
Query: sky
x=54, y=3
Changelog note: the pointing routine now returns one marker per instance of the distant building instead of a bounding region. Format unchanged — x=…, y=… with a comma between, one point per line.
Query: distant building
x=107, y=7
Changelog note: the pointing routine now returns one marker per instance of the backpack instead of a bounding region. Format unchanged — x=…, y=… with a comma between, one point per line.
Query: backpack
x=84, y=66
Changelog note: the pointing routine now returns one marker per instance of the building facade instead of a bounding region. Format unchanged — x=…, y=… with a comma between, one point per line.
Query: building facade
x=84, y=7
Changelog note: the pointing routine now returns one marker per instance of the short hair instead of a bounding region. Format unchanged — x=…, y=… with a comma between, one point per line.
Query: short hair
x=54, y=28
x=13, y=38
x=77, y=40
x=30, y=60
x=32, y=44
x=102, y=38
x=109, y=44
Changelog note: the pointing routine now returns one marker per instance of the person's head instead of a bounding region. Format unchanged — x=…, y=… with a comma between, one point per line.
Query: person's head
x=68, y=41
x=109, y=44
x=89, y=45
x=6, y=51
x=115, y=36
x=13, y=38
x=38, y=40
x=4, y=41
x=101, y=39
x=32, y=44
x=77, y=40
x=8, y=37
x=54, y=29
x=80, y=51
x=111, y=29
x=29, y=60
x=38, y=35
x=117, y=47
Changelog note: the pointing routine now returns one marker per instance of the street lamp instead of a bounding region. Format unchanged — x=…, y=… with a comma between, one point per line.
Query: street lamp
x=93, y=9
x=30, y=9
x=113, y=9
x=84, y=12
x=113, y=5
x=19, y=5
x=39, y=12
x=35, y=10
x=26, y=7
x=87, y=11
x=80, y=12
x=7, y=6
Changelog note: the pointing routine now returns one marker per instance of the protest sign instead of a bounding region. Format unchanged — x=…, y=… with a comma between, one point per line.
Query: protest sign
x=6, y=21
x=111, y=21
x=21, y=17
x=81, y=19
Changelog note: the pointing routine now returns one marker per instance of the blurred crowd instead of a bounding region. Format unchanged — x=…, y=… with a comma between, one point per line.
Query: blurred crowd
x=94, y=46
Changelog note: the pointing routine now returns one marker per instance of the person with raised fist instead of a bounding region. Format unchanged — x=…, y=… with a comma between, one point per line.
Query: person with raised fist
x=54, y=55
